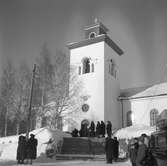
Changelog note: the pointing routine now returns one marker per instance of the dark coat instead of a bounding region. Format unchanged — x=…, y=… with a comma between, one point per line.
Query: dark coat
x=142, y=150
x=109, y=149
x=32, y=148
x=21, y=149
x=102, y=128
x=133, y=152
x=116, y=149
x=109, y=128
x=98, y=129
x=92, y=129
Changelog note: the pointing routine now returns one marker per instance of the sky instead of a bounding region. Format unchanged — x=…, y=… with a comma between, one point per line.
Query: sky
x=139, y=27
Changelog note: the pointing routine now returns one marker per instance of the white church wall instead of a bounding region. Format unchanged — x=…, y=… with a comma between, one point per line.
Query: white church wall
x=141, y=108
x=125, y=106
x=93, y=82
x=112, y=89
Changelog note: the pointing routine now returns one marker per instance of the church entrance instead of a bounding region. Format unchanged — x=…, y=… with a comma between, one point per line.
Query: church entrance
x=84, y=128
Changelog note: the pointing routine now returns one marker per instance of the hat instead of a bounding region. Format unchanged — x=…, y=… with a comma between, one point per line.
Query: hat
x=32, y=135
x=141, y=139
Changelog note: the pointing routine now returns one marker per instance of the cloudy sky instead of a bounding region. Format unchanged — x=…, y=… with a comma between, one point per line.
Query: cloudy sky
x=139, y=27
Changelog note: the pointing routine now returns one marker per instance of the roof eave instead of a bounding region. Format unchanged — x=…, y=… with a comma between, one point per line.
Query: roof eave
x=97, y=39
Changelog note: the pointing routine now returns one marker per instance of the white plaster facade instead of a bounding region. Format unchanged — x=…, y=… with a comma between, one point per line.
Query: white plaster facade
x=141, y=104
x=101, y=87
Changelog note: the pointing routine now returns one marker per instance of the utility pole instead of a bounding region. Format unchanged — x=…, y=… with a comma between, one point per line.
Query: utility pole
x=30, y=102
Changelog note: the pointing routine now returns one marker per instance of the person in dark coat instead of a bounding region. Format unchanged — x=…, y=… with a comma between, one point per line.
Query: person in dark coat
x=31, y=148
x=141, y=153
x=75, y=133
x=116, y=149
x=133, y=148
x=102, y=130
x=92, y=129
x=21, y=150
x=98, y=129
x=109, y=149
x=109, y=128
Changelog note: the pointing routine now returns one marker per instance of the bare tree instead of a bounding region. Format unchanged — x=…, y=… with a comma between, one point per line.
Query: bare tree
x=57, y=97
x=7, y=92
x=21, y=95
x=65, y=99
x=45, y=72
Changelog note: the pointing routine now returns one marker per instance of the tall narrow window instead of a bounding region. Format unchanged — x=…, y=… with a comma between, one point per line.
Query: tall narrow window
x=153, y=117
x=79, y=70
x=129, y=118
x=92, y=67
x=86, y=66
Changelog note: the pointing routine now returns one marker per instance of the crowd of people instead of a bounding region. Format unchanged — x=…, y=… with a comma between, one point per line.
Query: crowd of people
x=140, y=151
x=98, y=130
x=27, y=149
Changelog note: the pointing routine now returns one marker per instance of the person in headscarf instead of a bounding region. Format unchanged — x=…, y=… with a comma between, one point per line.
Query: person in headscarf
x=116, y=149
x=102, y=130
x=109, y=145
x=98, y=129
x=21, y=150
x=133, y=148
x=109, y=128
x=31, y=148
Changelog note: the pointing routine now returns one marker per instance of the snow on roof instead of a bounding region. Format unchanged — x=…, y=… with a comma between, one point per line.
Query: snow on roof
x=148, y=91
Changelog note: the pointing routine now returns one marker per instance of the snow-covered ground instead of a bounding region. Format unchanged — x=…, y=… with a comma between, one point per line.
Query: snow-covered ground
x=8, y=145
x=72, y=163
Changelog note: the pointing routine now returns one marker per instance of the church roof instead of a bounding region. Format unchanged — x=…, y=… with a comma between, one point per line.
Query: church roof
x=144, y=92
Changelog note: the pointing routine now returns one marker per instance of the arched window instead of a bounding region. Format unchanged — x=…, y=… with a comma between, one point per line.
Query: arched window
x=153, y=117
x=86, y=66
x=79, y=70
x=129, y=118
x=93, y=67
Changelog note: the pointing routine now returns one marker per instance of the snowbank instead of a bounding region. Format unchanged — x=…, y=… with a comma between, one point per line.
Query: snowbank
x=134, y=131
x=8, y=145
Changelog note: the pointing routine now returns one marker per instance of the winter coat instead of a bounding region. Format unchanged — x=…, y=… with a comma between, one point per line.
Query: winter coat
x=32, y=148
x=116, y=149
x=141, y=154
x=21, y=149
x=102, y=128
x=133, y=153
x=109, y=129
x=109, y=149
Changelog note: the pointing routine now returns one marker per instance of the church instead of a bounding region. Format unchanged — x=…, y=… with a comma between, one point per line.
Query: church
x=95, y=60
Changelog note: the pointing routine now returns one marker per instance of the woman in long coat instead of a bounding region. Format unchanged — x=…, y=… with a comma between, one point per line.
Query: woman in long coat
x=21, y=149
x=32, y=148
x=133, y=148
x=98, y=129
x=109, y=149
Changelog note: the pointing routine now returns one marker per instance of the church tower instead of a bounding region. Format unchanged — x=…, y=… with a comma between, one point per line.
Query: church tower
x=96, y=63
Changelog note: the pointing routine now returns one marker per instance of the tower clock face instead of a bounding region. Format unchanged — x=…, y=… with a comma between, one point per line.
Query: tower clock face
x=85, y=107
